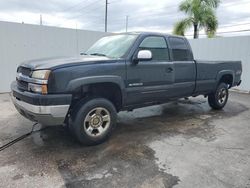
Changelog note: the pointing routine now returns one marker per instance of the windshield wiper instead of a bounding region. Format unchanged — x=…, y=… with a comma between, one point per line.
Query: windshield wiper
x=98, y=54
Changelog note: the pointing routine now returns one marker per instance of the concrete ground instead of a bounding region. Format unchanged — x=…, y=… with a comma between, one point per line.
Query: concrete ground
x=180, y=144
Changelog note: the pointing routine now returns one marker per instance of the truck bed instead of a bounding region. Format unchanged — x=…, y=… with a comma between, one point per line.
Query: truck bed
x=207, y=73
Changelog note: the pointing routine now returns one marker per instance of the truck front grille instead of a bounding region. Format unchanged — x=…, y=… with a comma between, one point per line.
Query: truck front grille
x=22, y=85
x=24, y=70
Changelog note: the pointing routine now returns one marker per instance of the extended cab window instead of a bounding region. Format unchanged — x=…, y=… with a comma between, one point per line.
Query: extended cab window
x=180, y=49
x=158, y=47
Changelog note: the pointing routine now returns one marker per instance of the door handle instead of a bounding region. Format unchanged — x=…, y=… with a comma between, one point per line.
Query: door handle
x=169, y=69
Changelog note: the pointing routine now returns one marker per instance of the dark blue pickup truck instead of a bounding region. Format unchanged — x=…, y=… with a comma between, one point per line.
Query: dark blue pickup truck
x=119, y=72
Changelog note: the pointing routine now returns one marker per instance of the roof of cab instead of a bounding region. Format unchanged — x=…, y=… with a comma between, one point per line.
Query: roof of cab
x=151, y=33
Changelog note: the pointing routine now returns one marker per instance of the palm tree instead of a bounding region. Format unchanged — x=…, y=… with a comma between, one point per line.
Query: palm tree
x=201, y=15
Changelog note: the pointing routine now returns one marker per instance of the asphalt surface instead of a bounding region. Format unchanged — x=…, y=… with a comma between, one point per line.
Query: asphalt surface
x=180, y=144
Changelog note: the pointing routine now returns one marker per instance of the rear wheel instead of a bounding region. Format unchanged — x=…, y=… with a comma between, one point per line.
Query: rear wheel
x=218, y=99
x=94, y=121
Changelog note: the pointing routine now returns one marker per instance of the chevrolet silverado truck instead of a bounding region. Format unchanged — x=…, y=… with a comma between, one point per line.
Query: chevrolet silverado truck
x=118, y=73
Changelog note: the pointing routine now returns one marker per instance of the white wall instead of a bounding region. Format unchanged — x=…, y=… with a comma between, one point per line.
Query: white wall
x=228, y=48
x=20, y=42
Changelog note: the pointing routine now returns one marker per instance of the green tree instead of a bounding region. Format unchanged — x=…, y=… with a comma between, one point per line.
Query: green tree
x=201, y=15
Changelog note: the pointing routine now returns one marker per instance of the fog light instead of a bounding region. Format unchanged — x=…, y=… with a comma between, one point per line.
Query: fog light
x=36, y=88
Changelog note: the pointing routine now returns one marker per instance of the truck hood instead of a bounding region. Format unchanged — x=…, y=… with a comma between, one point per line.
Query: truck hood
x=59, y=62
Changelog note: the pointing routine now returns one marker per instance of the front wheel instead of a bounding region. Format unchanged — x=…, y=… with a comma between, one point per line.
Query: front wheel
x=218, y=99
x=94, y=121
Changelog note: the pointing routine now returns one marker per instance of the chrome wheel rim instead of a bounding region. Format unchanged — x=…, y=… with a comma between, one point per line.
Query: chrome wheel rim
x=97, y=122
x=222, y=96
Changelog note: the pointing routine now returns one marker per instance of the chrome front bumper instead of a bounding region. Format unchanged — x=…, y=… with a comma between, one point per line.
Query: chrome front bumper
x=47, y=115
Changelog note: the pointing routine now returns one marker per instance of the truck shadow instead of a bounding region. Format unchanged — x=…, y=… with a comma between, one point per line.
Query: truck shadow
x=147, y=123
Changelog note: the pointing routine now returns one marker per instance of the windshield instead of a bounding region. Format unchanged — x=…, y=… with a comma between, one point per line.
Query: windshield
x=112, y=46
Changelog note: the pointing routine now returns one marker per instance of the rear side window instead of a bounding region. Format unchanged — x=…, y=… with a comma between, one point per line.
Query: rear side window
x=158, y=47
x=180, y=49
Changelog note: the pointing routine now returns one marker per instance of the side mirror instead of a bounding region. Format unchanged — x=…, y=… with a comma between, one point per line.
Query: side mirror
x=82, y=53
x=143, y=55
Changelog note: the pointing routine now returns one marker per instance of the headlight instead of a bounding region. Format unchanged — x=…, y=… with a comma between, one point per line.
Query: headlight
x=41, y=74
x=43, y=89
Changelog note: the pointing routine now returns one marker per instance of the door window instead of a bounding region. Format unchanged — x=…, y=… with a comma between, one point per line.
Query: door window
x=180, y=49
x=158, y=47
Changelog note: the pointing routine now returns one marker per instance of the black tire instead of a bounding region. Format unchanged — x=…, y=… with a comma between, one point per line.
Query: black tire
x=86, y=115
x=218, y=99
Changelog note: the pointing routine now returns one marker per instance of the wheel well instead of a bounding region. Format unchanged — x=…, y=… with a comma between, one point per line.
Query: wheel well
x=228, y=79
x=107, y=90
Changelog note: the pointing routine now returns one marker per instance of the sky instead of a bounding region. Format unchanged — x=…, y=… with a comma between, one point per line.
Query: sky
x=143, y=15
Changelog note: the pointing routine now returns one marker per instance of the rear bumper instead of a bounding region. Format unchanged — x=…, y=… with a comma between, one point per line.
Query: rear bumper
x=44, y=109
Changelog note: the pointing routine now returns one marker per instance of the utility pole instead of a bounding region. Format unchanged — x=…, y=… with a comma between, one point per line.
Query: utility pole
x=41, y=19
x=126, y=24
x=106, y=16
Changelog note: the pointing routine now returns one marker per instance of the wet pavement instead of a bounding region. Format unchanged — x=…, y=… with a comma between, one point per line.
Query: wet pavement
x=180, y=144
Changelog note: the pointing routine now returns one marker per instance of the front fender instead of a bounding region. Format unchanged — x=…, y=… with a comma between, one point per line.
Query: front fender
x=76, y=83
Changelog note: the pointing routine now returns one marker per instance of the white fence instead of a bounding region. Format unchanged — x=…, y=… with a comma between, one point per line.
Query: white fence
x=228, y=48
x=20, y=42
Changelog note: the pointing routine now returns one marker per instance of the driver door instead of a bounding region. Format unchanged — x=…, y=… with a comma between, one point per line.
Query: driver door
x=151, y=80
